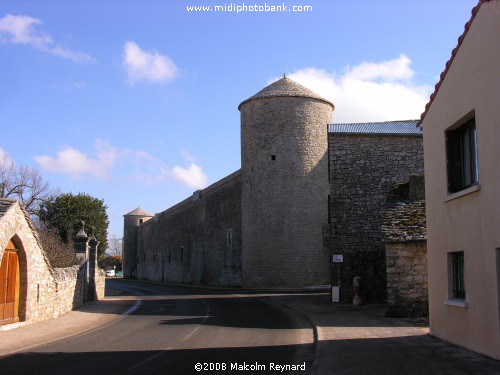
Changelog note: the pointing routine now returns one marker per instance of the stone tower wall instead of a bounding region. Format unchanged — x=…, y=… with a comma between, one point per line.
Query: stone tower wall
x=130, y=223
x=285, y=201
x=197, y=241
x=363, y=169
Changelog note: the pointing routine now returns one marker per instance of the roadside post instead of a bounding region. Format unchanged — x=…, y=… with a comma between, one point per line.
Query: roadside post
x=337, y=259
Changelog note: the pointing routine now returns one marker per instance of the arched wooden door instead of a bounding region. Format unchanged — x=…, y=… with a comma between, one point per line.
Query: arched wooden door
x=9, y=285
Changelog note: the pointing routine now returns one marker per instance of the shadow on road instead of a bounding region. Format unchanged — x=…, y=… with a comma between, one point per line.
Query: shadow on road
x=403, y=355
x=171, y=362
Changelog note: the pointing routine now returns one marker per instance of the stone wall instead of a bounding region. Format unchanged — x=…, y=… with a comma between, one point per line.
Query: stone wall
x=129, y=264
x=100, y=283
x=405, y=235
x=284, y=146
x=363, y=168
x=45, y=292
x=407, y=279
x=197, y=241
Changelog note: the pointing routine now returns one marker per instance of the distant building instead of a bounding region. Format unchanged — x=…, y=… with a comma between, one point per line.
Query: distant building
x=461, y=127
x=307, y=189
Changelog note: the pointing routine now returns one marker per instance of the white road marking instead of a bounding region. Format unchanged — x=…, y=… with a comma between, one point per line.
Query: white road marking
x=136, y=305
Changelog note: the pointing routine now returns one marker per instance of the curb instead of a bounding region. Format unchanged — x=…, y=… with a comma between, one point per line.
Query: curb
x=310, y=290
x=316, y=354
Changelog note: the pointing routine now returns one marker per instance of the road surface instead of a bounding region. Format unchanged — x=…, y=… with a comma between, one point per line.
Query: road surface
x=173, y=330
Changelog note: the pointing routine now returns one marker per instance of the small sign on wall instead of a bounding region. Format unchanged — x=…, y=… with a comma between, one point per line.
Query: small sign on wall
x=338, y=258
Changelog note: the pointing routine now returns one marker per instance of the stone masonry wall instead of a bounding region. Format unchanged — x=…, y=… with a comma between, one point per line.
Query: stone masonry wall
x=285, y=192
x=45, y=293
x=363, y=169
x=130, y=246
x=407, y=279
x=100, y=283
x=197, y=241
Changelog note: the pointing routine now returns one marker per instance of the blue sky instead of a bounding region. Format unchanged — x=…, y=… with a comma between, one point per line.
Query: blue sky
x=135, y=102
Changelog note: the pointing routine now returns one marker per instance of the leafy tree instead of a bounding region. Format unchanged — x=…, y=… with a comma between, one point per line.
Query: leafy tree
x=24, y=184
x=64, y=213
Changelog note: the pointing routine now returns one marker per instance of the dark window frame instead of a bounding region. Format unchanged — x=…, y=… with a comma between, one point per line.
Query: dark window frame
x=457, y=275
x=461, y=157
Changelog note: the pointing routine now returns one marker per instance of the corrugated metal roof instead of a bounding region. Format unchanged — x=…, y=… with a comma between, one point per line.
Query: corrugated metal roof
x=408, y=127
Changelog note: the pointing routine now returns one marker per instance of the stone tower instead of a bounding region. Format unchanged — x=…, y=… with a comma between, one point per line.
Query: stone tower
x=130, y=223
x=285, y=187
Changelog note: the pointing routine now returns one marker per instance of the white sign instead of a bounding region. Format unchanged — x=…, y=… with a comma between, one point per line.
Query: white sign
x=338, y=258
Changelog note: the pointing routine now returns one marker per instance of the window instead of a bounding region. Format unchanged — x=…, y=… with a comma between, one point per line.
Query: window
x=456, y=275
x=461, y=152
x=141, y=221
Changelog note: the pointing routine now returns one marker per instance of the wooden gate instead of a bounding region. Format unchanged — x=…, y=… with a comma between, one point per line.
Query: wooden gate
x=9, y=285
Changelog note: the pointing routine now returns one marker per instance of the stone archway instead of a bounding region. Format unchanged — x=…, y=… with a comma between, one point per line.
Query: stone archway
x=10, y=285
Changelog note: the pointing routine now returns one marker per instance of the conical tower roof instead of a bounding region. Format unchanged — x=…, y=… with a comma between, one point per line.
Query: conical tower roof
x=138, y=212
x=286, y=87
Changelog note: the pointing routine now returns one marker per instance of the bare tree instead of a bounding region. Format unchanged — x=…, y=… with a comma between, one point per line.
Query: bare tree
x=59, y=253
x=115, y=246
x=23, y=183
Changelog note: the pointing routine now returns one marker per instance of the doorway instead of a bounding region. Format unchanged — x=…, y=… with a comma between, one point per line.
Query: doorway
x=9, y=285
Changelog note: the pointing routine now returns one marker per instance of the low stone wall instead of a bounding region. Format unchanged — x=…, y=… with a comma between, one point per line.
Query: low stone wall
x=406, y=265
x=45, y=292
x=70, y=289
x=100, y=283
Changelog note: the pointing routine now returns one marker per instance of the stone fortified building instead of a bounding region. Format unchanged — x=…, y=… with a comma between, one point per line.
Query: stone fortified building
x=306, y=189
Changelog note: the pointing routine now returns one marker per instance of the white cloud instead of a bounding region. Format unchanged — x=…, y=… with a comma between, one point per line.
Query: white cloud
x=392, y=70
x=77, y=163
x=21, y=30
x=106, y=161
x=149, y=66
x=193, y=176
x=370, y=91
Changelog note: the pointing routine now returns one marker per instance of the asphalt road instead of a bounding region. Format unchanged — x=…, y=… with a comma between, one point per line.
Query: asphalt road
x=175, y=329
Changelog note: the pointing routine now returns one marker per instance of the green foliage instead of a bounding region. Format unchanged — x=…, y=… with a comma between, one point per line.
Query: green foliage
x=64, y=213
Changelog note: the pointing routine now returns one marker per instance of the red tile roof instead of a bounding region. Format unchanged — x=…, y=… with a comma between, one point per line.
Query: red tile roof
x=448, y=63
